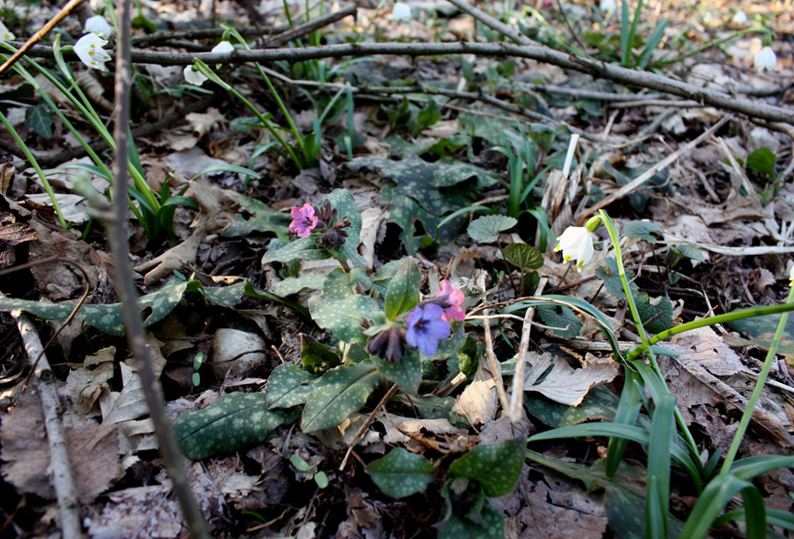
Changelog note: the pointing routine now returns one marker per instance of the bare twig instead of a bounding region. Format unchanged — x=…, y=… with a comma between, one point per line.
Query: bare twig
x=308, y=27
x=365, y=425
x=629, y=77
x=117, y=235
x=515, y=412
x=61, y=469
x=648, y=174
x=35, y=38
x=490, y=22
x=496, y=372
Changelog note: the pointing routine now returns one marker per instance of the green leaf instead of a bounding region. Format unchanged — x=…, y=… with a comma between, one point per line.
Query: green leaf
x=401, y=473
x=225, y=296
x=524, y=256
x=293, y=285
x=486, y=229
x=561, y=319
x=288, y=386
x=230, y=423
x=339, y=393
x=300, y=249
x=751, y=467
x=403, y=292
x=342, y=317
x=641, y=230
x=317, y=357
x=256, y=216
x=340, y=284
x=658, y=488
x=300, y=464
x=321, y=479
x=628, y=410
x=39, y=119
x=405, y=372
x=718, y=492
x=762, y=160
x=491, y=526
x=496, y=466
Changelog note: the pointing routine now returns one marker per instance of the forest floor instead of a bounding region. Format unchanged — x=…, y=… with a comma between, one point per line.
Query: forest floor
x=447, y=164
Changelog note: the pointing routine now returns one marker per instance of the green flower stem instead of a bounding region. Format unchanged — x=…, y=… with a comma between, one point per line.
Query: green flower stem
x=646, y=342
x=712, y=320
x=37, y=168
x=211, y=75
x=759, y=387
x=270, y=86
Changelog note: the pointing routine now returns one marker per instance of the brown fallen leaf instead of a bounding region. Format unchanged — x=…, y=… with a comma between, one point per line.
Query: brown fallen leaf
x=174, y=258
x=565, y=384
x=93, y=452
x=87, y=383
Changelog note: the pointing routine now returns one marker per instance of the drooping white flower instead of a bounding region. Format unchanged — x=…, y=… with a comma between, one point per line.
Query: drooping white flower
x=765, y=58
x=791, y=276
x=607, y=5
x=401, y=12
x=5, y=34
x=193, y=76
x=576, y=243
x=89, y=49
x=223, y=46
x=740, y=18
x=98, y=25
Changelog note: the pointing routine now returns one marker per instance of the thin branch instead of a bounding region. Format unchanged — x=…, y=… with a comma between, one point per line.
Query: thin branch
x=496, y=372
x=490, y=22
x=117, y=235
x=515, y=412
x=61, y=469
x=629, y=77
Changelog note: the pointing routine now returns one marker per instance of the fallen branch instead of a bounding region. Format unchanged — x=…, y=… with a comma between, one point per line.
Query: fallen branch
x=629, y=77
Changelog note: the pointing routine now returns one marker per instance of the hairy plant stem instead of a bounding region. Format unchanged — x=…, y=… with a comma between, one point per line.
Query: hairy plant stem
x=117, y=235
x=759, y=387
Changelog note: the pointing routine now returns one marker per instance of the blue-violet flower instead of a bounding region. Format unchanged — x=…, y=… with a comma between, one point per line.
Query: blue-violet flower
x=426, y=328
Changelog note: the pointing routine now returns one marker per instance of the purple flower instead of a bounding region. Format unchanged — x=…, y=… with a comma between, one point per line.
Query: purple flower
x=454, y=297
x=426, y=328
x=303, y=220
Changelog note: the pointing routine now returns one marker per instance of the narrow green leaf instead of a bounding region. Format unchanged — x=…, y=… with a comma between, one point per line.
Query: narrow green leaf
x=230, y=423
x=657, y=507
x=339, y=393
x=401, y=473
x=751, y=467
x=627, y=412
x=403, y=292
x=719, y=491
x=755, y=513
x=495, y=466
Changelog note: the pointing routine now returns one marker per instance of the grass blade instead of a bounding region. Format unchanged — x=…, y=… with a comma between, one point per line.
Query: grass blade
x=626, y=414
x=657, y=501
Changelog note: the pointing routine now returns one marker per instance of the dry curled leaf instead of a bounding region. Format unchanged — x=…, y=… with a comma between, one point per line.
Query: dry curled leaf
x=565, y=384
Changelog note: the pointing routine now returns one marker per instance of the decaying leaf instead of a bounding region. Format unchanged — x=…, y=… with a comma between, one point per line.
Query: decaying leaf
x=564, y=384
x=92, y=450
x=478, y=401
x=91, y=380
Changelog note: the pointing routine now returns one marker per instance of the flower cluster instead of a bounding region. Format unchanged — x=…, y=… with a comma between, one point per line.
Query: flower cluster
x=197, y=78
x=427, y=325
x=89, y=48
x=307, y=219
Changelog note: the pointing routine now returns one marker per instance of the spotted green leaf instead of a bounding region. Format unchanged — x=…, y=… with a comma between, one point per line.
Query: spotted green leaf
x=495, y=466
x=403, y=292
x=490, y=526
x=342, y=316
x=293, y=285
x=401, y=473
x=486, y=229
x=524, y=256
x=288, y=386
x=230, y=423
x=405, y=372
x=339, y=393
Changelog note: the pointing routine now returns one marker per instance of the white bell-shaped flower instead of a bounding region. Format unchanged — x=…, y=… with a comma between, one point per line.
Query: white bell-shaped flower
x=89, y=49
x=401, y=12
x=98, y=25
x=193, y=76
x=576, y=243
x=791, y=276
x=740, y=18
x=765, y=58
x=5, y=34
x=607, y=5
x=223, y=46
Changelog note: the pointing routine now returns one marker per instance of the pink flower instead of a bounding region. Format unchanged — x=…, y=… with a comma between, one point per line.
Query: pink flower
x=455, y=299
x=303, y=220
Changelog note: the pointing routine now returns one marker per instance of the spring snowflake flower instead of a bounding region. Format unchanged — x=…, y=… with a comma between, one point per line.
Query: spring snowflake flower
x=89, y=50
x=426, y=328
x=607, y=5
x=5, y=34
x=455, y=299
x=98, y=25
x=303, y=220
x=791, y=276
x=740, y=18
x=401, y=12
x=765, y=58
x=576, y=243
x=192, y=76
